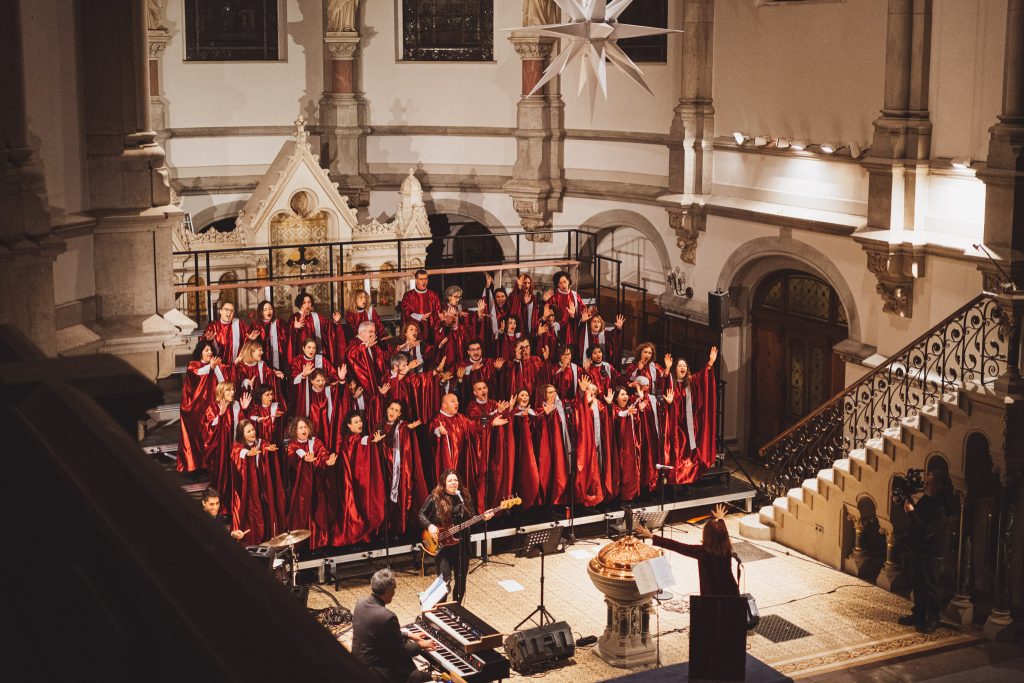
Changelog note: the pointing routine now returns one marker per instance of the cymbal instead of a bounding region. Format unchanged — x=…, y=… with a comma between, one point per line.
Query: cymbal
x=286, y=539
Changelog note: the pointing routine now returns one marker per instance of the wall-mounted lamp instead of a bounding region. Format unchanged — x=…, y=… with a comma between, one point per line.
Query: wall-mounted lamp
x=782, y=143
x=830, y=147
x=740, y=138
x=855, y=150
x=961, y=162
x=798, y=145
x=762, y=140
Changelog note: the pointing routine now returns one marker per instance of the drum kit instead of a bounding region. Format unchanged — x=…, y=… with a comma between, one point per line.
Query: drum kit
x=284, y=545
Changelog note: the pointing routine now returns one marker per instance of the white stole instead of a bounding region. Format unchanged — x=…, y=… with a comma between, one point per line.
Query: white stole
x=396, y=469
x=275, y=354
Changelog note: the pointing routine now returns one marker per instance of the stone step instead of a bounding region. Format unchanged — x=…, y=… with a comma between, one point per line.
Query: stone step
x=767, y=515
x=811, y=485
x=751, y=527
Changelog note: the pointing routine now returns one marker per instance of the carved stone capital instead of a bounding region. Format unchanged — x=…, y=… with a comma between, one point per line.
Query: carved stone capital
x=896, y=267
x=158, y=42
x=533, y=47
x=687, y=224
x=342, y=44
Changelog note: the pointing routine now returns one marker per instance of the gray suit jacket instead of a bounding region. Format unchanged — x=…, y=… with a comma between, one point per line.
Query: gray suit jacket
x=377, y=641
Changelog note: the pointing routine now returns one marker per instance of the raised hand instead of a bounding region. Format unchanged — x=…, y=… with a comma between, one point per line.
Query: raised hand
x=309, y=457
x=501, y=326
x=670, y=394
x=542, y=329
x=668, y=362
x=342, y=371
x=254, y=334
x=545, y=351
x=481, y=307
x=246, y=400
x=587, y=363
x=499, y=362
x=331, y=459
x=712, y=356
x=357, y=391
x=609, y=396
x=414, y=425
x=440, y=366
x=445, y=377
x=426, y=316
x=384, y=388
x=620, y=320
x=209, y=334
x=443, y=342
x=642, y=531
x=548, y=294
x=378, y=436
x=719, y=511
x=272, y=448
x=588, y=313
x=549, y=407
x=298, y=324
x=413, y=364
x=502, y=406
x=499, y=421
x=631, y=410
x=307, y=369
x=278, y=374
x=215, y=361
x=571, y=309
x=336, y=316
x=643, y=406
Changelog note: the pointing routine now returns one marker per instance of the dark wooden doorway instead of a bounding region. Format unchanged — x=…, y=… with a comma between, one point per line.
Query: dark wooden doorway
x=459, y=242
x=796, y=320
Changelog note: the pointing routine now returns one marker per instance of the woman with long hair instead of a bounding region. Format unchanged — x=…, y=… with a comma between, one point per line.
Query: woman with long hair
x=274, y=335
x=406, y=486
x=203, y=375
x=219, y=424
x=358, y=311
x=713, y=555
x=360, y=483
x=449, y=504
x=257, y=499
x=312, y=503
x=252, y=371
x=626, y=440
x=644, y=365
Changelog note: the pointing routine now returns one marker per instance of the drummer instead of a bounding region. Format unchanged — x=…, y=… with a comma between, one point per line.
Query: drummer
x=211, y=504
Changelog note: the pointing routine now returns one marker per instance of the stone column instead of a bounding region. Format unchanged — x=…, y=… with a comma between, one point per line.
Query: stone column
x=128, y=189
x=159, y=36
x=891, y=577
x=343, y=117
x=27, y=247
x=999, y=625
x=960, y=609
x=538, y=178
x=897, y=164
x=859, y=558
x=693, y=127
x=1004, y=172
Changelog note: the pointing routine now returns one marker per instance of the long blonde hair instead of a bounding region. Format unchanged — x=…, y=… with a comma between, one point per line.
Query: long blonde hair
x=222, y=388
x=249, y=347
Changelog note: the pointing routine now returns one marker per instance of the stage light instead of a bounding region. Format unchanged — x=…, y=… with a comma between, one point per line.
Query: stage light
x=799, y=145
x=829, y=147
x=782, y=143
x=961, y=162
x=761, y=140
x=739, y=137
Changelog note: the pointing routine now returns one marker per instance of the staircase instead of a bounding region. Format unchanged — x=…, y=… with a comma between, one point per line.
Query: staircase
x=834, y=468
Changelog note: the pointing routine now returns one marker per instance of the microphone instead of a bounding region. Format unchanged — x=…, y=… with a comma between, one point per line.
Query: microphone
x=1009, y=284
x=458, y=494
x=664, y=467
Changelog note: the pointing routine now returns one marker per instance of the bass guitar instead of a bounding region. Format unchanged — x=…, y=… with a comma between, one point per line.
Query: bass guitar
x=449, y=535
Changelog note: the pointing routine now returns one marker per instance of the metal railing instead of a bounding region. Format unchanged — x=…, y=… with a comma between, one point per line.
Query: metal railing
x=970, y=345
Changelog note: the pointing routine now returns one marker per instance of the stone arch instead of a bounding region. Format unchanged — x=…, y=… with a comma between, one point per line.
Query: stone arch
x=604, y=223
x=756, y=259
x=217, y=212
x=459, y=207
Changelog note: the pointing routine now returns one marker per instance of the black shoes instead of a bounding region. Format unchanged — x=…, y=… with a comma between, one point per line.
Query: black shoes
x=910, y=620
x=927, y=626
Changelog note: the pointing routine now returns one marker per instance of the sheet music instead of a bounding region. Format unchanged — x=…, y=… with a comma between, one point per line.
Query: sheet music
x=653, y=575
x=433, y=595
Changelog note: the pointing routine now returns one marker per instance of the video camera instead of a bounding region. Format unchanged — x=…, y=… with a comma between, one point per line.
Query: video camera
x=906, y=485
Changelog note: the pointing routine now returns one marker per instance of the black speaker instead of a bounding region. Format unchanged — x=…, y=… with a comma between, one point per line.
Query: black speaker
x=532, y=648
x=718, y=310
x=300, y=593
x=753, y=616
x=718, y=637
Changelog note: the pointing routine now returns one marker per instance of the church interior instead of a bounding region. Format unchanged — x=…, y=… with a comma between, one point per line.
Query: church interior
x=787, y=234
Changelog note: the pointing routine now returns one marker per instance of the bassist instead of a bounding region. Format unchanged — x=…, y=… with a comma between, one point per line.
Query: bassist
x=450, y=504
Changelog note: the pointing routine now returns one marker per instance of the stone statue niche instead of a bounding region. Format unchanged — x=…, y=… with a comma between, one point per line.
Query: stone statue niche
x=539, y=12
x=341, y=16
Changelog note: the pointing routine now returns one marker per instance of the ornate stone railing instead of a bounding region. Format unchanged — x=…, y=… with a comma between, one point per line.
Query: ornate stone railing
x=969, y=346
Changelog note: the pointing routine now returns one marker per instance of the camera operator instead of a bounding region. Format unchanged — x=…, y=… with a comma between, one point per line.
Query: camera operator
x=928, y=541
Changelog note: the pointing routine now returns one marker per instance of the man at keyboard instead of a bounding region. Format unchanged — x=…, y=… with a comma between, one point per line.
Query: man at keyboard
x=377, y=639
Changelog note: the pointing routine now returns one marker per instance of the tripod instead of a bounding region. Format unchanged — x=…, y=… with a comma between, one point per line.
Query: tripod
x=543, y=541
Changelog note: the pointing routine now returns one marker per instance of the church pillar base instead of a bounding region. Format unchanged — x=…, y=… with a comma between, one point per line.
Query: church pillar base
x=960, y=611
x=26, y=275
x=999, y=627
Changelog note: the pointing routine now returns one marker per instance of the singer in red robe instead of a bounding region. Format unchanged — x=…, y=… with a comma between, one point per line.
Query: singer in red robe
x=322, y=406
x=313, y=502
x=527, y=371
x=406, y=485
x=523, y=304
x=495, y=450
x=303, y=365
x=268, y=415
x=593, y=446
x=566, y=376
x=454, y=446
x=508, y=338
x=651, y=425
x=475, y=368
x=228, y=332
x=257, y=499
x=362, y=483
x=690, y=432
x=600, y=372
x=308, y=324
x=274, y=335
x=252, y=371
x=220, y=421
x=421, y=305
x=523, y=425
x=555, y=447
x=644, y=365
x=415, y=348
x=594, y=333
x=360, y=311
x=567, y=306
x=197, y=393
x=626, y=440
x=367, y=360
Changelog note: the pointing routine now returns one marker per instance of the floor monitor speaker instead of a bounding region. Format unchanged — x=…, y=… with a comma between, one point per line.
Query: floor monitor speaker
x=533, y=648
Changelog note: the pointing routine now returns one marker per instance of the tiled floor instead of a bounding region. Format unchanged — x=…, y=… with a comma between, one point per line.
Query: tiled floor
x=850, y=622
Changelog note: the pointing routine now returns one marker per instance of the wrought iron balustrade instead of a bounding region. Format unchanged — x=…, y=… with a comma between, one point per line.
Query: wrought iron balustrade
x=969, y=346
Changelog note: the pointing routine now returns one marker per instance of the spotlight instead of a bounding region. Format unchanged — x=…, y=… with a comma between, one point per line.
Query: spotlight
x=761, y=140
x=799, y=145
x=782, y=143
x=961, y=162
x=739, y=137
x=829, y=147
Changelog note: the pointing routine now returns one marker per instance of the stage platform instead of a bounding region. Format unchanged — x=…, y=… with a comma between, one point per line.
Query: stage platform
x=757, y=672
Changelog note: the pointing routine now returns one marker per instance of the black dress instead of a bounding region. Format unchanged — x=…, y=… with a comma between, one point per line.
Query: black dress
x=715, y=570
x=453, y=559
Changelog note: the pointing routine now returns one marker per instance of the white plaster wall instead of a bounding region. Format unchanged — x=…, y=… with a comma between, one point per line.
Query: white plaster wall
x=434, y=152
x=624, y=162
x=797, y=181
x=74, y=275
x=641, y=264
x=814, y=71
x=246, y=93
x=437, y=93
x=966, y=87
x=196, y=156
x=198, y=203
x=54, y=116
x=956, y=206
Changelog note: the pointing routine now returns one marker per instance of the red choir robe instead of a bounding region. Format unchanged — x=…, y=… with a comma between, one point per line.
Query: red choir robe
x=300, y=385
x=526, y=482
x=257, y=498
x=276, y=340
x=486, y=373
x=495, y=456
x=355, y=318
x=228, y=337
x=415, y=304
x=457, y=449
x=248, y=377
x=610, y=338
x=324, y=410
x=314, y=326
x=489, y=332
x=218, y=438
x=197, y=393
x=567, y=324
x=548, y=339
x=369, y=406
x=554, y=452
x=465, y=327
x=604, y=376
x=566, y=381
x=528, y=374
x=422, y=352
x=593, y=451
x=270, y=428
x=650, y=427
x=651, y=370
x=367, y=365
x=507, y=345
x=313, y=503
x=406, y=484
x=528, y=314
x=690, y=432
x=626, y=441
x=362, y=482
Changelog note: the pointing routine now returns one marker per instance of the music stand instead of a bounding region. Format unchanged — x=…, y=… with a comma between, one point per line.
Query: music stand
x=542, y=542
x=654, y=519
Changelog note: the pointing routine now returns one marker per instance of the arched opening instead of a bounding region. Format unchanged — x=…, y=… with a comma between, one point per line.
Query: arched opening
x=981, y=519
x=796, y=319
x=460, y=242
x=197, y=300
x=228, y=295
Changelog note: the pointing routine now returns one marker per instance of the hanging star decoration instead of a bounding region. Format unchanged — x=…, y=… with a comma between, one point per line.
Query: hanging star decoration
x=593, y=32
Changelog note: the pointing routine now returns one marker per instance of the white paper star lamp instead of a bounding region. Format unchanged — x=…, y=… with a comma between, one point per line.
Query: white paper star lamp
x=593, y=33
